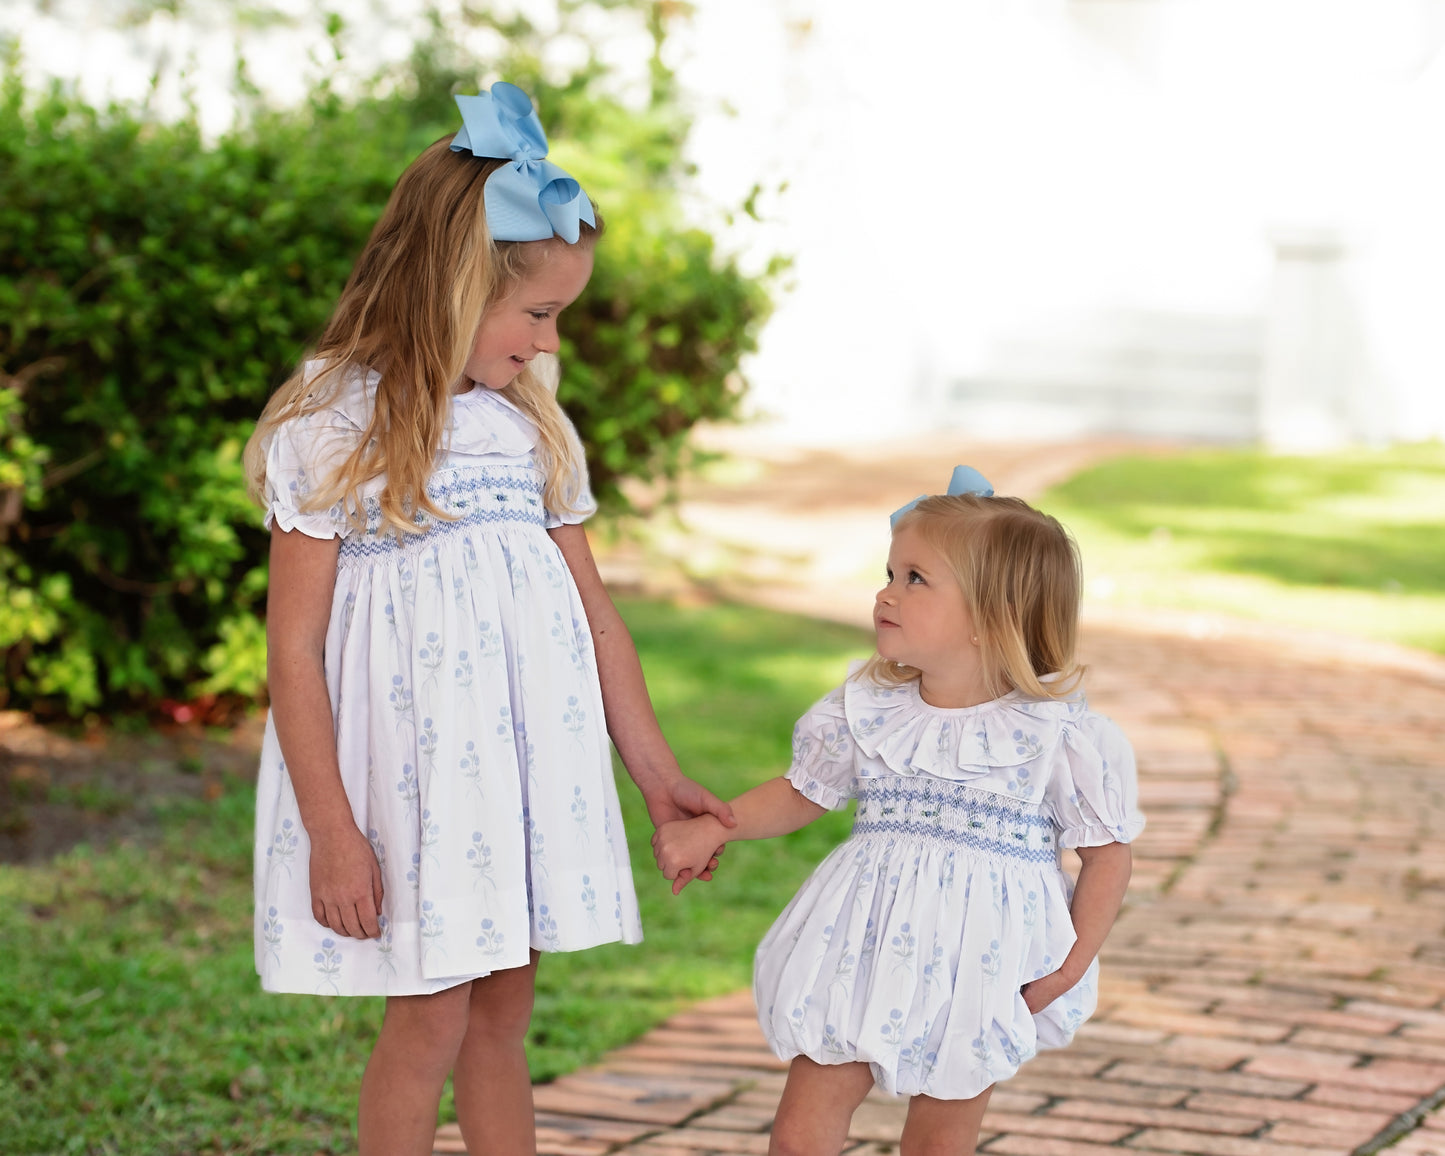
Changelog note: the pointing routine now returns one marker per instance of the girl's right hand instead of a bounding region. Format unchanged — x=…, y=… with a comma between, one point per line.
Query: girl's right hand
x=346, y=887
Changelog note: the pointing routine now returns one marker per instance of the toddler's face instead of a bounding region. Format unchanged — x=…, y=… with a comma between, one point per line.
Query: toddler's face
x=921, y=618
x=520, y=326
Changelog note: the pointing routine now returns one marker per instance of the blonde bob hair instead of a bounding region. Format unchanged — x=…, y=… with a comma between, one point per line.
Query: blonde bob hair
x=1019, y=573
x=410, y=311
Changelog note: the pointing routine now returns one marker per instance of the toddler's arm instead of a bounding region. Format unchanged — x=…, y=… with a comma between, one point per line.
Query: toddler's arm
x=346, y=889
x=776, y=807
x=1103, y=878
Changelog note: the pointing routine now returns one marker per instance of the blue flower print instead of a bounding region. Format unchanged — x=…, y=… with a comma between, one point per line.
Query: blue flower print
x=832, y=1044
x=982, y=737
x=272, y=929
x=799, y=1015
x=426, y=742
x=536, y=844
x=401, y=703
x=413, y=875
x=431, y=833
x=432, y=924
x=983, y=1053
x=864, y=727
x=891, y=1033
x=915, y=1056
x=991, y=961
x=1026, y=744
x=491, y=941
x=843, y=969
x=328, y=966
x=285, y=845
x=464, y=673
x=407, y=788
x=432, y=656
x=1047, y=969
x=459, y=591
x=933, y=972
x=348, y=609
x=390, y=611
x=574, y=718
x=547, y=928
x=378, y=848
x=834, y=741
x=406, y=580
x=479, y=855
x=566, y=639
x=472, y=769
x=469, y=555
x=385, y=947
x=433, y=567
x=589, y=900
x=579, y=813
x=903, y=944
x=1031, y=910
x=488, y=640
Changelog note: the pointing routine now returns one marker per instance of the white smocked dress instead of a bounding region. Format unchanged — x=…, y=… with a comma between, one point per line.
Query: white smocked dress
x=468, y=721
x=907, y=946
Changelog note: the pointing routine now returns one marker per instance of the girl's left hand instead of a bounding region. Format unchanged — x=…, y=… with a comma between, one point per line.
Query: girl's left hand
x=1039, y=993
x=681, y=798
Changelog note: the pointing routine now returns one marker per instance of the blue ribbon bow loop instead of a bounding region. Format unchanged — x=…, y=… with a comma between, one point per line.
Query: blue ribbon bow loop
x=530, y=199
x=965, y=480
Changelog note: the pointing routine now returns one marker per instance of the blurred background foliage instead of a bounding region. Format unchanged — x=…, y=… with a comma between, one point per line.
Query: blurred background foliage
x=155, y=286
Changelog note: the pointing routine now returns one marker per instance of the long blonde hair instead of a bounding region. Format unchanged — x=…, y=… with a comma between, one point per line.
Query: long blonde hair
x=410, y=311
x=1019, y=573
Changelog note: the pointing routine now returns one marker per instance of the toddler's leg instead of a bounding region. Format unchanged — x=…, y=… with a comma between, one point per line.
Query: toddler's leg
x=943, y=1127
x=492, y=1085
x=402, y=1086
x=817, y=1107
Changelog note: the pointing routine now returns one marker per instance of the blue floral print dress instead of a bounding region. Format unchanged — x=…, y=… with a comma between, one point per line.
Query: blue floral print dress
x=907, y=946
x=468, y=721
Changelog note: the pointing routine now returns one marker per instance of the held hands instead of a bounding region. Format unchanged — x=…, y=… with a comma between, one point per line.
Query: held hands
x=681, y=799
x=687, y=849
x=345, y=883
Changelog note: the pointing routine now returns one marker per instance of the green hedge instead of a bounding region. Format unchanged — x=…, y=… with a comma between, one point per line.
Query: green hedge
x=156, y=286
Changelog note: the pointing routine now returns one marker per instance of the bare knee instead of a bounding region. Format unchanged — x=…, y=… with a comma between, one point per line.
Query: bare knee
x=428, y=1024
x=500, y=1007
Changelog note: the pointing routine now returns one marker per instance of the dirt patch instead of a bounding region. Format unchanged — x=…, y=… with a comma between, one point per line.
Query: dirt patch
x=59, y=789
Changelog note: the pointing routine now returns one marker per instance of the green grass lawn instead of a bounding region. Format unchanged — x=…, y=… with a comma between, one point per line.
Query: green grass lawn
x=131, y=1020
x=1351, y=542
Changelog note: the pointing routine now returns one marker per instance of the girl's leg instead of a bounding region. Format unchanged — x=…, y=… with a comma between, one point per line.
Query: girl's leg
x=420, y=1035
x=817, y=1107
x=492, y=1085
x=943, y=1127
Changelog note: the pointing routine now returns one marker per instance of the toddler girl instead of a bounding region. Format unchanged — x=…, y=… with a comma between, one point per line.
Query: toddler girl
x=436, y=803
x=937, y=948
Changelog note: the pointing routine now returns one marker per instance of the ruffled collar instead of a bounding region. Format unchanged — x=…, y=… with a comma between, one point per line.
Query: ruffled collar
x=895, y=725
x=483, y=421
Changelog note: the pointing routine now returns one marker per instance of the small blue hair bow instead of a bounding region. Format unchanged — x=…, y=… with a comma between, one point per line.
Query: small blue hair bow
x=530, y=199
x=965, y=480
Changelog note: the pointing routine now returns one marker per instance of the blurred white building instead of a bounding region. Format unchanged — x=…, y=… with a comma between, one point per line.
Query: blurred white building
x=1022, y=218
x=1041, y=218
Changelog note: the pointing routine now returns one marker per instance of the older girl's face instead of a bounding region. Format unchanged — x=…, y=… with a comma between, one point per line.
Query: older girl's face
x=523, y=324
x=922, y=621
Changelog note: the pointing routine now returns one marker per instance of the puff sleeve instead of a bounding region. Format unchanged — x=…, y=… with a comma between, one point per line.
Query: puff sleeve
x=1093, y=793
x=586, y=503
x=300, y=456
x=824, y=754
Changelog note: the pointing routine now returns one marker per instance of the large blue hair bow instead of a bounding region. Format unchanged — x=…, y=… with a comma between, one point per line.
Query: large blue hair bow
x=530, y=199
x=965, y=480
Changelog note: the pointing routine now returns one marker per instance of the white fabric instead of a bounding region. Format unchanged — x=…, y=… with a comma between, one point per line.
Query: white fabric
x=907, y=946
x=468, y=722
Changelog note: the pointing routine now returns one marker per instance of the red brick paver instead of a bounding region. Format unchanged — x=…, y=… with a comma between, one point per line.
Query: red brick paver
x=1274, y=985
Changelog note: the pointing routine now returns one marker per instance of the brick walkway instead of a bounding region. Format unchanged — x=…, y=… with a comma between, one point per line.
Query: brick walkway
x=1274, y=986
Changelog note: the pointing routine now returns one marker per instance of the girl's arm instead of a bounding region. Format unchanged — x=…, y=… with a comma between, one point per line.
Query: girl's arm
x=345, y=877
x=631, y=722
x=1103, y=877
x=776, y=807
